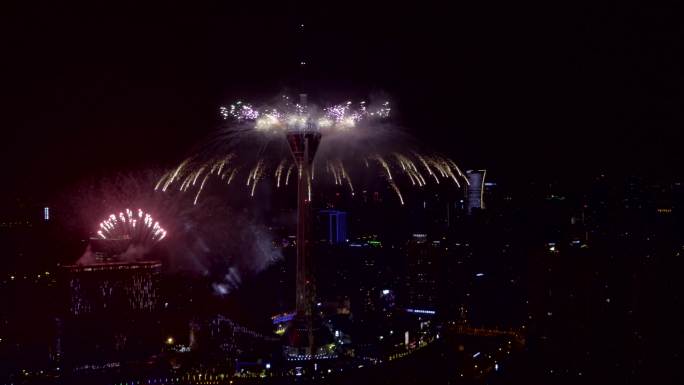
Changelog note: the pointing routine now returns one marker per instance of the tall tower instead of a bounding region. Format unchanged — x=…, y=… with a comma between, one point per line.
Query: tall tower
x=303, y=138
x=303, y=141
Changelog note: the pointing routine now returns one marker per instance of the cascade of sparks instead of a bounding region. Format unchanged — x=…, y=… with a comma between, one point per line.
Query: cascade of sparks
x=246, y=147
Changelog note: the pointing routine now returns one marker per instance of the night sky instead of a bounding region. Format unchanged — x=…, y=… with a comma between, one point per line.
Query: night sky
x=525, y=89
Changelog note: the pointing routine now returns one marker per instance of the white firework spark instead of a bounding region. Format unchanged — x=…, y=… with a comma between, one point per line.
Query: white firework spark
x=127, y=225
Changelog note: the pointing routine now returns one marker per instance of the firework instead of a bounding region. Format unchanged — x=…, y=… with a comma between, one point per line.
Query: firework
x=290, y=115
x=253, y=146
x=138, y=227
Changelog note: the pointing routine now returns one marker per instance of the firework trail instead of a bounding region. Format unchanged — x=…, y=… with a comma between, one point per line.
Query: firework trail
x=353, y=136
x=396, y=189
x=199, y=191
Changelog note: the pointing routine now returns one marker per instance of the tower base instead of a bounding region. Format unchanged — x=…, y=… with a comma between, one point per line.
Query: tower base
x=297, y=344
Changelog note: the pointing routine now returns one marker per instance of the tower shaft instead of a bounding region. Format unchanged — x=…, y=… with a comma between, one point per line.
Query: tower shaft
x=303, y=145
x=303, y=208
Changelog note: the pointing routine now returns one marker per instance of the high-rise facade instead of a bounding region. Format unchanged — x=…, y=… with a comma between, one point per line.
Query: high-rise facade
x=475, y=190
x=333, y=226
x=424, y=259
x=113, y=310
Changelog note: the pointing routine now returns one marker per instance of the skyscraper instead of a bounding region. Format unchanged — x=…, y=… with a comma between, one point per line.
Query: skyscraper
x=333, y=226
x=112, y=309
x=424, y=260
x=113, y=287
x=475, y=194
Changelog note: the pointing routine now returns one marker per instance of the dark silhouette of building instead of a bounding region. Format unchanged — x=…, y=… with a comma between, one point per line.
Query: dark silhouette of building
x=424, y=258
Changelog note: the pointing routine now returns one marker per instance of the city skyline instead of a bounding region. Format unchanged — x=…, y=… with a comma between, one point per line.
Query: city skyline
x=346, y=193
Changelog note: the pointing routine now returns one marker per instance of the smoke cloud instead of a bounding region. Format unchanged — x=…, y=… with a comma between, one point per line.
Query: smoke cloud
x=211, y=239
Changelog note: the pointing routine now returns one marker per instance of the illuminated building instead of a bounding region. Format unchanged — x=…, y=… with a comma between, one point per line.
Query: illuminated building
x=280, y=322
x=112, y=314
x=113, y=287
x=333, y=226
x=475, y=194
